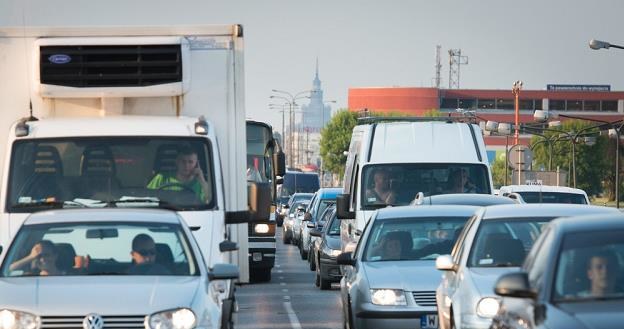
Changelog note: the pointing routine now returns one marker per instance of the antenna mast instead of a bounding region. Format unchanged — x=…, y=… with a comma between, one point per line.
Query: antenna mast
x=455, y=61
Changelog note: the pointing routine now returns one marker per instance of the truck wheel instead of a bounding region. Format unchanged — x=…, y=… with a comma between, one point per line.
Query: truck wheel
x=261, y=275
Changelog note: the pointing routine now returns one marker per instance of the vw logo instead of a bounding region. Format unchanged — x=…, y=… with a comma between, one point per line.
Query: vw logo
x=93, y=321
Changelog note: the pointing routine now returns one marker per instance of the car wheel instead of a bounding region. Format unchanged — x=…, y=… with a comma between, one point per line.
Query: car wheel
x=285, y=237
x=317, y=276
x=311, y=260
x=302, y=252
x=261, y=275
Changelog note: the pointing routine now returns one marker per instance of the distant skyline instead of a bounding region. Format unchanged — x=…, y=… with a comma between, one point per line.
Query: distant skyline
x=368, y=43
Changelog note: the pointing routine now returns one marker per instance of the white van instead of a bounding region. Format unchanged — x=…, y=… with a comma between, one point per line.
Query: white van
x=544, y=194
x=409, y=156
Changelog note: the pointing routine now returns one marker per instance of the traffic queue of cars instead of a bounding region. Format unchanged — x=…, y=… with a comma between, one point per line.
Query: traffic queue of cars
x=435, y=263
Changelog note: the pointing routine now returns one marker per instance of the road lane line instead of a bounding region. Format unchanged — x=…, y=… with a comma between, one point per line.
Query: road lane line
x=292, y=316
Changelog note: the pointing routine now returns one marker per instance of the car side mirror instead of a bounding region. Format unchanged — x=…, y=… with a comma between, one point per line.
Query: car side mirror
x=307, y=217
x=342, y=207
x=316, y=233
x=310, y=225
x=259, y=200
x=515, y=284
x=445, y=263
x=228, y=245
x=346, y=258
x=223, y=272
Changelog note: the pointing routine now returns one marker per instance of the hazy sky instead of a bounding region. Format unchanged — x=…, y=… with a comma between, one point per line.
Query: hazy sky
x=384, y=42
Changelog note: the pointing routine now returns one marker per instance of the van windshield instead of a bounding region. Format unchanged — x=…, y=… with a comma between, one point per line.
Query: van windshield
x=398, y=184
x=552, y=197
x=175, y=173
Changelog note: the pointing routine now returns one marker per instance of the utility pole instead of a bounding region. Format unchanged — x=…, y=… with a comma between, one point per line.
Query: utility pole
x=438, y=66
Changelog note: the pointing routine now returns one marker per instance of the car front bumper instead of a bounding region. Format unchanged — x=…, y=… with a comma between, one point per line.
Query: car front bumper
x=330, y=270
x=369, y=316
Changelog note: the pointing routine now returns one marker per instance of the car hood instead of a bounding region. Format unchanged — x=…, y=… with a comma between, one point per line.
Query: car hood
x=412, y=275
x=333, y=241
x=484, y=278
x=118, y=295
x=593, y=315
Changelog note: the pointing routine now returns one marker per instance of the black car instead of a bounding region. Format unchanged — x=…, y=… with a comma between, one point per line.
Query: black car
x=573, y=277
x=327, y=249
x=281, y=209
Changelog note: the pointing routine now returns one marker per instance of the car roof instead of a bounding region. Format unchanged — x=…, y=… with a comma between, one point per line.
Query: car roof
x=425, y=211
x=595, y=222
x=329, y=192
x=302, y=194
x=541, y=188
x=468, y=199
x=543, y=210
x=103, y=215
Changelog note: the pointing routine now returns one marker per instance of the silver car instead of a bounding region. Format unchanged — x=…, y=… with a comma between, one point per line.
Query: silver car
x=494, y=242
x=390, y=279
x=109, y=268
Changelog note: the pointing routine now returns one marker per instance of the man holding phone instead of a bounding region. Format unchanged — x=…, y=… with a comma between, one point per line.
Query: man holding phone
x=187, y=174
x=383, y=189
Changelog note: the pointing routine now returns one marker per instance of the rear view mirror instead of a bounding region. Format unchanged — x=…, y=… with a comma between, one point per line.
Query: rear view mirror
x=515, y=284
x=223, y=272
x=102, y=233
x=342, y=207
x=259, y=200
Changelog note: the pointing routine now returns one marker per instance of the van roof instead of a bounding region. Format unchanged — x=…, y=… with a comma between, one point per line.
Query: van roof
x=430, y=142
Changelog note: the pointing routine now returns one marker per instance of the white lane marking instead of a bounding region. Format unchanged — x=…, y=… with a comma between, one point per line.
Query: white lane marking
x=292, y=316
x=281, y=278
x=278, y=265
x=282, y=283
x=284, y=290
x=280, y=271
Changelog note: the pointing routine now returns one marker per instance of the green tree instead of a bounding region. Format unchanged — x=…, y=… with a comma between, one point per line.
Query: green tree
x=498, y=171
x=432, y=113
x=592, y=167
x=335, y=139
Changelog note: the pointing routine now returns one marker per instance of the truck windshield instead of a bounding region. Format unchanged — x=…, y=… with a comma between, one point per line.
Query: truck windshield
x=114, y=171
x=398, y=184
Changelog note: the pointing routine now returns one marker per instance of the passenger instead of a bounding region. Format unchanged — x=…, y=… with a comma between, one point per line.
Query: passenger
x=602, y=274
x=381, y=191
x=40, y=261
x=144, y=257
x=458, y=182
x=188, y=174
x=393, y=246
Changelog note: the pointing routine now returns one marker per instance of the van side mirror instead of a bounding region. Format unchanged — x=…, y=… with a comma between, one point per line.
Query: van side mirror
x=515, y=284
x=342, y=207
x=223, y=272
x=279, y=164
x=227, y=245
x=259, y=200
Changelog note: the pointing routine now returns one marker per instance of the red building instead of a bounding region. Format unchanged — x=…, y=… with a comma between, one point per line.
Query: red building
x=596, y=102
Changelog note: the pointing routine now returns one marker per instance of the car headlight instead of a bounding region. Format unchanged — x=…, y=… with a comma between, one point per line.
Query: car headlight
x=261, y=228
x=487, y=307
x=18, y=320
x=181, y=318
x=331, y=252
x=388, y=297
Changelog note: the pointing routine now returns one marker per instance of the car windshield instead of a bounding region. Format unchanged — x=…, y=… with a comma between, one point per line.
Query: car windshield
x=96, y=172
x=412, y=238
x=504, y=242
x=590, y=267
x=552, y=197
x=398, y=184
x=324, y=204
x=100, y=249
x=334, y=225
x=295, y=207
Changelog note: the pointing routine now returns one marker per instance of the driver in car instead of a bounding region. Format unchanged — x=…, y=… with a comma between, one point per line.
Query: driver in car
x=188, y=175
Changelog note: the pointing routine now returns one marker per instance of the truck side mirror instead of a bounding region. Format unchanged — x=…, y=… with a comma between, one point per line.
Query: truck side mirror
x=342, y=207
x=259, y=199
x=279, y=164
x=227, y=245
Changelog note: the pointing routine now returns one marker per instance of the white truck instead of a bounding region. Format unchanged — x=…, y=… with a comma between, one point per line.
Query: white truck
x=102, y=113
x=391, y=161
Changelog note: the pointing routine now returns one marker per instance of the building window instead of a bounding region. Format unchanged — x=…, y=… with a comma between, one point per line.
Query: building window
x=537, y=104
x=591, y=106
x=575, y=106
x=505, y=104
x=486, y=104
x=448, y=103
x=467, y=103
x=526, y=104
x=555, y=104
x=609, y=106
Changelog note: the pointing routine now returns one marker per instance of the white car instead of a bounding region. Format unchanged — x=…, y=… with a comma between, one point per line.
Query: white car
x=109, y=268
x=495, y=241
x=544, y=194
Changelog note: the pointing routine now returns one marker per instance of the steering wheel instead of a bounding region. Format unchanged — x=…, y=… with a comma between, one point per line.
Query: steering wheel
x=185, y=188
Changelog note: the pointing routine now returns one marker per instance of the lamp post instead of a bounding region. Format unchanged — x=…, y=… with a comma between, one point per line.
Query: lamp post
x=597, y=44
x=273, y=106
x=290, y=99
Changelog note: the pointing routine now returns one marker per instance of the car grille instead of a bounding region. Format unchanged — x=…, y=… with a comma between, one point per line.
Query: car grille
x=117, y=322
x=424, y=298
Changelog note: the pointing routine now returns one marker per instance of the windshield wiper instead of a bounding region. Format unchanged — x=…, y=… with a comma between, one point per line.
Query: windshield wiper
x=145, y=201
x=48, y=204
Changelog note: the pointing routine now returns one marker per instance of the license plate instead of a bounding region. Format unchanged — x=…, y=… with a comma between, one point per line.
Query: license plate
x=429, y=321
x=257, y=256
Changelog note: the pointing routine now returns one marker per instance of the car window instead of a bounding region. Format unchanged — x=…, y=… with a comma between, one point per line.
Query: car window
x=334, y=224
x=553, y=197
x=504, y=242
x=458, y=248
x=412, y=238
x=590, y=266
x=540, y=259
x=100, y=249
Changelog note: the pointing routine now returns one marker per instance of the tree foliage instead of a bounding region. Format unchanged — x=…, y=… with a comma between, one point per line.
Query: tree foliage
x=498, y=171
x=335, y=139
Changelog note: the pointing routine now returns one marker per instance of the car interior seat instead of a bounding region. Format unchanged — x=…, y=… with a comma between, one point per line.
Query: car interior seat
x=98, y=171
x=47, y=171
x=165, y=159
x=164, y=256
x=504, y=249
x=66, y=257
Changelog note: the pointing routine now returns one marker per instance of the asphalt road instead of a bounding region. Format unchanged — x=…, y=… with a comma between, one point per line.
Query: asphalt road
x=290, y=300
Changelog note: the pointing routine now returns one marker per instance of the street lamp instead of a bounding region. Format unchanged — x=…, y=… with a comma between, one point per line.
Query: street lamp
x=597, y=44
x=291, y=100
